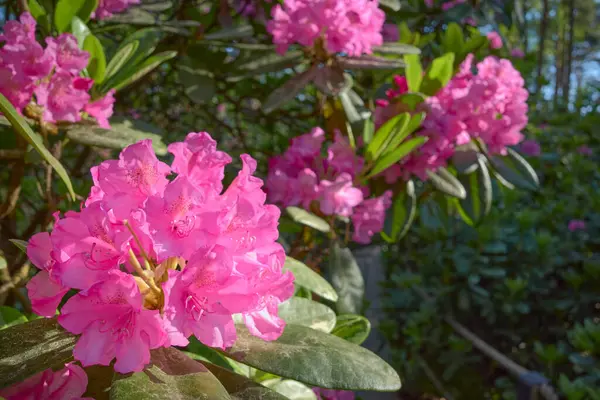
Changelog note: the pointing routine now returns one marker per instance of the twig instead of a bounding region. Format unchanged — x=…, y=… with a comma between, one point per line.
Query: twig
x=434, y=379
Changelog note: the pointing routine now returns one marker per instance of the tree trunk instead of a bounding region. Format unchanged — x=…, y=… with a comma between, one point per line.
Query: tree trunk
x=543, y=29
x=560, y=54
x=569, y=53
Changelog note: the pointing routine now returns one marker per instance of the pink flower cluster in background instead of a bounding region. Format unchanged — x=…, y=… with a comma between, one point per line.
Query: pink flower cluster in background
x=69, y=383
x=517, y=53
x=106, y=8
x=585, y=150
x=576, y=225
x=446, y=5
x=489, y=105
x=330, y=394
x=156, y=260
x=495, y=40
x=51, y=74
x=303, y=176
x=531, y=148
x=345, y=26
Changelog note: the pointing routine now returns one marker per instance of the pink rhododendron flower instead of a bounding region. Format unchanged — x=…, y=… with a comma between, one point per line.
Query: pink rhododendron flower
x=69, y=383
x=68, y=55
x=331, y=394
x=451, y=4
x=429, y=3
x=113, y=323
x=339, y=197
x=390, y=33
x=348, y=26
x=531, y=148
x=106, y=8
x=495, y=40
x=490, y=105
x=576, y=225
x=369, y=216
x=102, y=109
x=517, y=53
x=63, y=97
x=206, y=255
x=585, y=150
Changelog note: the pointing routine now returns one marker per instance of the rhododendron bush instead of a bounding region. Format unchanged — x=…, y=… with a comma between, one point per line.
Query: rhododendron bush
x=189, y=184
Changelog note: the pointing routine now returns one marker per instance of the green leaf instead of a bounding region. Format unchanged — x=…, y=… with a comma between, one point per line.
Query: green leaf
x=242, y=388
x=144, y=68
x=453, y=40
x=86, y=10
x=97, y=65
x=392, y=157
x=10, y=316
x=403, y=210
x=447, y=183
x=32, y=347
x=316, y=359
x=353, y=328
x=514, y=171
x=385, y=134
x=304, y=217
x=397, y=48
x=439, y=74
x=299, y=311
x=199, y=85
x=393, y=5
x=346, y=279
x=230, y=33
x=198, y=351
x=100, y=379
x=368, y=130
x=270, y=63
x=478, y=202
x=36, y=9
x=414, y=72
x=171, y=375
x=64, y=12
x=369, y=62
x=120, y=135
x=80, y=30
x=309, y=279
x=21, y=244
x=120, y=58
x=289, y=90
x=412, y=100
x=34, y=140
x=465, y=161
x=291, y=390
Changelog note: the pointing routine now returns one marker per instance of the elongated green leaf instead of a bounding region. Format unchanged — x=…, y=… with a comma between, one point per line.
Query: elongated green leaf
x=35, y=9
x=32, y=347
x=353, y=328
x=234, y=32
x=80, y=30
x=86, y=10
x=120, y=58
x=97, y=64
x=198, y=351
x=447, y=183
x=414, y=72
x=392, y=157
x=299, y=311
x=306, y=277
x=453, y=40
x=403, y=212
x=398, y=135
x=290, y=389
x=304, y=217
x=144, y=68
x=394, y=5
x=384, y=134
x=64, y=12
x=397, y=48
x=352, y=114
x=270, y=63
x=478, y=202
x=34, y=140
x=368, y=130
x=415, y=122
x=242, y=388
x=289, y=90
x=315, y=358
x=514, y=171
x=171, y=375
x=21, y=244
x=346, y=279
x=439, y=74
x=465, y=161
x=119, y=136
x=200, y=86
x=369, y=62
x=11, y=316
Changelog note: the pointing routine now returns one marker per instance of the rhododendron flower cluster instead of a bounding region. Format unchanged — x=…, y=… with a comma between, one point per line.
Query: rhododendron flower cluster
x=576, y=225
x=69, y=383
x=495, y=40
x=489, y=105
x=330, y=394
x=106, y=8
x=157, y=258
x=531, y=148
x=344, y=26
x=302, y=176
x=51, y=74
